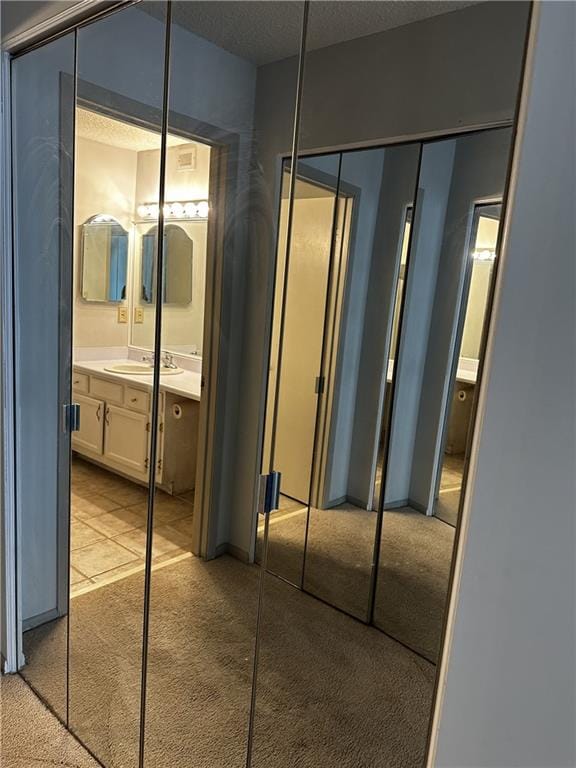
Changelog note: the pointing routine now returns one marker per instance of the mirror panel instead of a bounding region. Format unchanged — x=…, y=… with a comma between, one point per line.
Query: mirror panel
x=204, y=586
x=42, y=147
x=119, y=117
x=302, y=284
x=378, y=186
x=104, y=259
x=452, y=256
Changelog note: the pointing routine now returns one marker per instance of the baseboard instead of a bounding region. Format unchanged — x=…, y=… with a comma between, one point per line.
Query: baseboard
x=41, y=618
x=231, y=549
x=397, y=504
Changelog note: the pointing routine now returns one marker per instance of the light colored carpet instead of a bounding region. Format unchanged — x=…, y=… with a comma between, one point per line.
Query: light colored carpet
x=331, y=691
x=413, y=579
x=31, y=737
x=447, y=506
x=415, y=557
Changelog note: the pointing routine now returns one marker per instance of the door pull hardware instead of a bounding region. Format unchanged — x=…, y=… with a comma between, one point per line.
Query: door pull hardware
x=146, y=462
x=319, y=385
x=270, y=492
x=107, y=416
x=71, y=417
x=147, y=426
x=99, y=412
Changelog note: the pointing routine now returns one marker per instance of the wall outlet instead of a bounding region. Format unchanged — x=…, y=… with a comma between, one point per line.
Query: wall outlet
x=122, y=315
x=138, y=315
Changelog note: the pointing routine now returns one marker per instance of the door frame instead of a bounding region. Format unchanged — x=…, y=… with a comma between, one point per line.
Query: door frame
x=222, y=187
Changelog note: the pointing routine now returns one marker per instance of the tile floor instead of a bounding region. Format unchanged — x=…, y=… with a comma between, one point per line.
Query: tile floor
x=108, y=538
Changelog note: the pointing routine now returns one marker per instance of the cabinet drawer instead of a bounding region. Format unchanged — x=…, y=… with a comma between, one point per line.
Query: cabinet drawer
x=137, y=399
x=79, y=382
x=107, y=390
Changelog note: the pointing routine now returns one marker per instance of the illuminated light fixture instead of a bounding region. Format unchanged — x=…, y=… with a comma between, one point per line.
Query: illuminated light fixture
x=484, y=255
x=188, y=209
x=101, y=218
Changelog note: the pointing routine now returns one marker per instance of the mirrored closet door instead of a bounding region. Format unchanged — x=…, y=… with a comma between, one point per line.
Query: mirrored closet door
x=245, y=258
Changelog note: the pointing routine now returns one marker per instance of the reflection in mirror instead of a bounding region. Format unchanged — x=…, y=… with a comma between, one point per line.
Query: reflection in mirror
x=104, y=256
x=190, y=165
x=203, y=585
x=117, y=95
x=43, y=134
x=393, y=352
x=324, y=443
x=474, y=312
x=178, y=255
x=449, y=285
x=379, y=185
x=302, y=285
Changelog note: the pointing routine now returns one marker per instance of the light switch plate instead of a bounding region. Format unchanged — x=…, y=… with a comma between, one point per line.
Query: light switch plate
x=138, y=315
x=122, y=315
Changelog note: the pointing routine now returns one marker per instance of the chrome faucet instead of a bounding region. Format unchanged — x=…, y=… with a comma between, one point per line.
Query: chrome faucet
x=168, y=360
x=148, y=359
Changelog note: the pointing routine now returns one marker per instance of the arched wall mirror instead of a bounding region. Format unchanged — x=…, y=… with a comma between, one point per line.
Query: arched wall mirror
x=178, y=266
x=104, y=253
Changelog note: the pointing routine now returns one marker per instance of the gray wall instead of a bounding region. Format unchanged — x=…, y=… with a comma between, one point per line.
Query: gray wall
x=511, y=674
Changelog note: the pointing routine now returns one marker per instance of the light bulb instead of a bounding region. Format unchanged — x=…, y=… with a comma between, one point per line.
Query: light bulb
x=203, y=209
x=177, y=210
x=153, y=211
x=190, y=209
x=142, y=211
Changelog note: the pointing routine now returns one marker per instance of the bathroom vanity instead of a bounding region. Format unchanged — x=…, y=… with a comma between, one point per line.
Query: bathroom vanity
x=116, y=417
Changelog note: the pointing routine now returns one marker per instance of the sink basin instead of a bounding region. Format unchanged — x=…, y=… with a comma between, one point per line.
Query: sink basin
x=140, y=369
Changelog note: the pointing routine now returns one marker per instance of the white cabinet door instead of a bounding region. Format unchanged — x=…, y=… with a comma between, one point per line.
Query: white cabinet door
x=90, y=436
x=126, y=439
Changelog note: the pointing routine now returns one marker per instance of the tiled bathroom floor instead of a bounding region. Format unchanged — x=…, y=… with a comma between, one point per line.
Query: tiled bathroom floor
x=108, y=538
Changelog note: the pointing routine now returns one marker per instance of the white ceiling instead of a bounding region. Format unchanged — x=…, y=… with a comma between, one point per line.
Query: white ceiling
x=263, y=31
x=115, y=133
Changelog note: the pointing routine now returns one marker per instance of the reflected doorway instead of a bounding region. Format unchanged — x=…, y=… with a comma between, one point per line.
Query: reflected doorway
x=474, y=316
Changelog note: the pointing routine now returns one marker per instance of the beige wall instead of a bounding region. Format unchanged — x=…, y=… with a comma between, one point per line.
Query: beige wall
x=182, y=326
x=115, y=181
x=105, y=183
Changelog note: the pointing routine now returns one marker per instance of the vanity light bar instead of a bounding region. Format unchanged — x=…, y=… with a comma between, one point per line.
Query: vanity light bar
x=189, y=209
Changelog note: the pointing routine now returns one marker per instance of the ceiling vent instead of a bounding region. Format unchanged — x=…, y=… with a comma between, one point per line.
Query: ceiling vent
x=186, y=158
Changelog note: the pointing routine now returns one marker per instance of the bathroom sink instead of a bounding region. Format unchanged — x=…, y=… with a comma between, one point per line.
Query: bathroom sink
x=139, y=369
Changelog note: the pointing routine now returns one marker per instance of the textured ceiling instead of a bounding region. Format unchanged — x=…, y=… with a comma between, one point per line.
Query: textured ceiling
x=92, y=125
x=263, y=31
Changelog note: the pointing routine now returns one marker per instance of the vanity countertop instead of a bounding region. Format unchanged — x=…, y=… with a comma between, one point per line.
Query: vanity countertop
x=185, y=384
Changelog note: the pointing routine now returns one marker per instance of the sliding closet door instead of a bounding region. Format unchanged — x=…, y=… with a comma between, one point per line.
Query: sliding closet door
x=42, y=162
x=119, y=107
x=220, y=176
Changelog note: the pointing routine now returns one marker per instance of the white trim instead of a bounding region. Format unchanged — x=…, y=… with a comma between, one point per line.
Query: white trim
x=482, y=398
x=9, y=619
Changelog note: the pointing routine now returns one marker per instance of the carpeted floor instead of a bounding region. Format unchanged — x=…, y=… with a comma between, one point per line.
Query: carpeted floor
x=414, y=567
x=331, y=691
x=413, y=579
x=31, y=737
